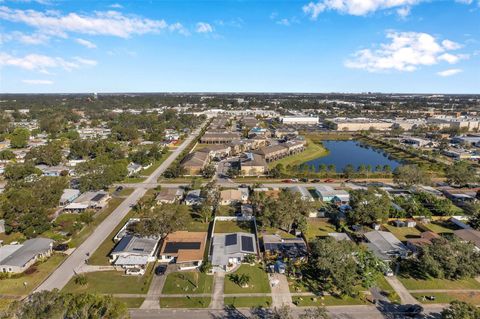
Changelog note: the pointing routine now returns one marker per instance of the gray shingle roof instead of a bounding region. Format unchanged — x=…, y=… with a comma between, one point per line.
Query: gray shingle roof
x=29, y=250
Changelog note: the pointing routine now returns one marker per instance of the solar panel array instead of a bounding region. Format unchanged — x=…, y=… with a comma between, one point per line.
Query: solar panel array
x=174, y=247
x=230, y=239
x=247, y=244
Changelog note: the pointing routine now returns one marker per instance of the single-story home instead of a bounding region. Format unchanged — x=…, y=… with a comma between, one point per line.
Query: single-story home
x=68, y=196
x=134, y=252
x=385, y=245
x=328, y=194
x=19, y=257
x=414, y=244
x=233, y=196
x=230, y=249
x=184, y=248
x=169, y=195
x=133, y=168
x=294, y=249
x=89, y=200
x=303, y=191
x=53, y=170
x=193, y=198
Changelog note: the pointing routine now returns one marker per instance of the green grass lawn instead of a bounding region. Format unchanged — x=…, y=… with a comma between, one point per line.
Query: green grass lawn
x=471, y=297
x=225, y=211
x=100, y=256
x=125, y=192
x=312, y=151
x=197, y=226
x=144, y=173
x=99, y=218
x=441, y=227
x=112, y=282
x=258, y=282
x=403, y=233
x=188, y=282
x=318, y=228
x=273, y=231
x=383, y=285
x=234, y=226
x=307, y=301
x=131, y=302
x=432, y=283
x=5, y=303
x=248, y=302
x=184, y=302
x=15, y=285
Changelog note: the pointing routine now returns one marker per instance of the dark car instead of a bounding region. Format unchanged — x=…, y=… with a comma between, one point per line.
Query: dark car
x=304, y=180
x=160, y=270
x=61, y=247
x=412, y=310
x=119, y=189
x=316, y=181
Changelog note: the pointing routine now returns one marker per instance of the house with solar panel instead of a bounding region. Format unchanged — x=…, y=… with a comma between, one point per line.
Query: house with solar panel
x=229, y=250
x=184, y=248
x=88, y=200
x=133, y=252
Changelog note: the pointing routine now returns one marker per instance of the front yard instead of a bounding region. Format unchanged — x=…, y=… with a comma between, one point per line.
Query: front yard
x=444, y=297
x=112, y=282
x=257, y=283
x=248, y=302
x=188, y=282
x=15, y=286
x=431, y=283
x=314, y=301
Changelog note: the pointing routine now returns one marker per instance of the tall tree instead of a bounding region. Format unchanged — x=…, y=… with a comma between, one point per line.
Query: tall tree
x=368, y=206
x=461, y=173
x=410, y=175
x=460, y=310
x=163, y=220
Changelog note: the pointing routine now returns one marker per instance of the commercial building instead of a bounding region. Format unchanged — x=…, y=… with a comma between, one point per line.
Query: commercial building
x=302, y=120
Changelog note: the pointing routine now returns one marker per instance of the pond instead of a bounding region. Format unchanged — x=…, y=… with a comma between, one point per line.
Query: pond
x=343, y=153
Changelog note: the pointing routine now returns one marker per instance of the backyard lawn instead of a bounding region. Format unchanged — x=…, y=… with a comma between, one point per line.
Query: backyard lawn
x=7, y=239
x=184, y=302
x=248, y=302
x=318, y=228
x=431, y=283
x=15, y=286
x=403, y=233
x=258, y=281
x=191, y=282
x=112, y=282
x=234, y=227
x=276, y=231
x=441, y=227
x=471, y=297
x=307, y=301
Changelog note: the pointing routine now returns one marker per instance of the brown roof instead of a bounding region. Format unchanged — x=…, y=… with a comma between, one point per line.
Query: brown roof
x=470, y=235
x=231, y=194
x=254, y=160
x=186, y=255
x=196, y=159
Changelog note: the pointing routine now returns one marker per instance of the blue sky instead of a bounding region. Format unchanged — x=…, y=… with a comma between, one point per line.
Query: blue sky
x=416, y=46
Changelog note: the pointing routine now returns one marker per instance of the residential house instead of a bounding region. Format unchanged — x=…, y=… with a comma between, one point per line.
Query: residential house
x=89, y=200
x=193, y=198
x=134, y=252
x=133, y=169
x=232, y=196
x=217, y=150
x=195, y=162
x=253, y=165
x=169, y=195
x=303, y=191
x=68, y=196
x=385, y=245
x=276, y=247
x=414, y=244
x=328, y=194
x=273, y=152
x=228, y=250
x=339, y=236
x=410, y=223
x=219, y=138
x=54, y=171
x=469, y=235
x=19, y=257
x=184, y=248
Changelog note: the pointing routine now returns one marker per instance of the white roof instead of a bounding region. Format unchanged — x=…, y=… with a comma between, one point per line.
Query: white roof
x=77, y=206
x=131, y=260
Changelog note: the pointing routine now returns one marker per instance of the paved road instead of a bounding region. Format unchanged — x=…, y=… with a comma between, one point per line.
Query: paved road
x=231, y=183
x=60, y=277
x=344, y=312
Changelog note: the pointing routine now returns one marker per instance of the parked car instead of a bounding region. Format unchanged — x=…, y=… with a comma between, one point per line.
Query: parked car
x=135, y=271
x=160, y=270
x=412, y=310
x=329, y=180
x=61, y=247
x=287, y=181
x=304, y=180
x=316, y=181
x=119, y=189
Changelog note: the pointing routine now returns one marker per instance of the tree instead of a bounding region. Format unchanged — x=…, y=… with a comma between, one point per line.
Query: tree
x=58, y=305
x=16, y=172
x=163, y=220
x=368, y=206
x=410, y=175
x=6, y=155
x=461, y=173
x=348, y=171
x=339, y=266
x=436, y=260
x=460, y=310
x=315, y=313
x=208, y=171
x=50, y=154
x=19, y=138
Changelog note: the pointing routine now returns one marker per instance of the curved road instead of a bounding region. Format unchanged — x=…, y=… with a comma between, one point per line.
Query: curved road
x=60, y=277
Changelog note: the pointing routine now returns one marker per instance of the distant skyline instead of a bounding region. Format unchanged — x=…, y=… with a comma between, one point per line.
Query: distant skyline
x=320, y=46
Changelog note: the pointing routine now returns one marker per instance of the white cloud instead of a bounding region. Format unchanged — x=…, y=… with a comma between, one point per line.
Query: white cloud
x=407, y=51
x=116, y=6
x=403, y=12
x=203, y=27
x=86, y=43
x=38, y=82
x=32, y=39
x=284, y=22
x=464, y=1
x=42, y=63
x=112, y=23
x=358, y=7
x=179, y=28
x=449, y=72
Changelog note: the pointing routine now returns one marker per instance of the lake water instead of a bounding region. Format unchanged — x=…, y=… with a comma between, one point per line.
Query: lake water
x=343, y=153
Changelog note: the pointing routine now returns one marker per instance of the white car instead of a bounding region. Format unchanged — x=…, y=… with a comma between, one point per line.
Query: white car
x=135, y=271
